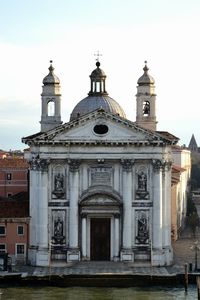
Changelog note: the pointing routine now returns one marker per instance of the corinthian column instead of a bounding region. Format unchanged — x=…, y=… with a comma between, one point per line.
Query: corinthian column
x=157, y=204
x=127, y=209
x=39, y=210
x=167, y=204
x=73, y=211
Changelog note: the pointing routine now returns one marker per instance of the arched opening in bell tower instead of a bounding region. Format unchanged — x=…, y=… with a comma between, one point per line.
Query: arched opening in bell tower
x=51, y=109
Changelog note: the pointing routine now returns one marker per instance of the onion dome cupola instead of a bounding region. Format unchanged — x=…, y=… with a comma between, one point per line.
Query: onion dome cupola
x=51, y=101
x=97, y=97
x=146, y=101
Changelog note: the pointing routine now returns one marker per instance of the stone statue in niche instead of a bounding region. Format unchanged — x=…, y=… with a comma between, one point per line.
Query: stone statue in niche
x=58, y=228
x=142, y=182
x=58, y=237
x=58, y=185
x=142, y=229
x=59, y=182
x=141, y=192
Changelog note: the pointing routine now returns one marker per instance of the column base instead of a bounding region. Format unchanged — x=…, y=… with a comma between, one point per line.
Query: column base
x=116, y=258
x=127, y=255
x=38, y=257
x=73, y=255
x=162, y=257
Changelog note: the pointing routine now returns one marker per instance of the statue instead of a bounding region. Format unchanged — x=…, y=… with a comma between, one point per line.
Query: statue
x=142, y=231
x=142, y=225
x=59, y=182
x=142, y=182
x=58, y=228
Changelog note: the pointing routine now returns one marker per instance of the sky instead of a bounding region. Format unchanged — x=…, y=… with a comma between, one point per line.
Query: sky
x=166, y=33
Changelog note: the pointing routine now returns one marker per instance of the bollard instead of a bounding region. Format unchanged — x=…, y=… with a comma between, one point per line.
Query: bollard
x=186, y=278
x=190, y=267
x=198, y=287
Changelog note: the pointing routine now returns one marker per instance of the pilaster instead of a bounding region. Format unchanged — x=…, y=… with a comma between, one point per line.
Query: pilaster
x=127, y=253
x=39, y=243
x=157, y=204
x=73, y=253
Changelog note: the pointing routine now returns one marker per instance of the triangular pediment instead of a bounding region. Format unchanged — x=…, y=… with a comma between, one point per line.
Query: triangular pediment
x=98, y=127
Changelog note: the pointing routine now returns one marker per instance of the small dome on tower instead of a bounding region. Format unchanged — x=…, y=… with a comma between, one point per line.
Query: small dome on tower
x=51, y=78
x=97, y=72
x=146, y=79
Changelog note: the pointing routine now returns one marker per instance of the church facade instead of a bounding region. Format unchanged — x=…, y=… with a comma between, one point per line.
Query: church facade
x=100, y=185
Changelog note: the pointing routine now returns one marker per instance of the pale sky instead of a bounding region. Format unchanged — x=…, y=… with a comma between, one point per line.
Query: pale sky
x=166, y=33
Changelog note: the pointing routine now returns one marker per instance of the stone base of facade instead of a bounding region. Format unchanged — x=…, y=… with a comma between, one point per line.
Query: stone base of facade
x=38, y=257
x=162, y=257
x=127, y=255
x=73, y=255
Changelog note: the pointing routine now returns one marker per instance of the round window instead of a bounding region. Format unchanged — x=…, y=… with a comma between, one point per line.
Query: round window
x=101, y=129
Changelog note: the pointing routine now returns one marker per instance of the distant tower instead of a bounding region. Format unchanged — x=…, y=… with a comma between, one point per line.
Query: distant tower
x=193, y=144
x=146, y=101
x=51, y=116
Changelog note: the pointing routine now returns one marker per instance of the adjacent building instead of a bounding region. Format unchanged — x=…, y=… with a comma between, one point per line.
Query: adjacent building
x=14, y=227
x=13, y=176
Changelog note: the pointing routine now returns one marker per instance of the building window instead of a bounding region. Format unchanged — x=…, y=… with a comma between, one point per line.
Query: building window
x=20, y=249
x=20, y=230
x=2, y=230
x=9, y=176
x=3, y=248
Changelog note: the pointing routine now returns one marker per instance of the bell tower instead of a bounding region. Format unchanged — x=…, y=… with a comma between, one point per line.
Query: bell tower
x=51, y=98
x=146, y=101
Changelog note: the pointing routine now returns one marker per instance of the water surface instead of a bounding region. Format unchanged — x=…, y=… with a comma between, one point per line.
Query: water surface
x=79, y=293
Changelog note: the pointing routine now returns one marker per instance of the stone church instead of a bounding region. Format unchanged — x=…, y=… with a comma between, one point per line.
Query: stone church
x=100, y=184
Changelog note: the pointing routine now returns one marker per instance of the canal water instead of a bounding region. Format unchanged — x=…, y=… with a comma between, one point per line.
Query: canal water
x=77, y=293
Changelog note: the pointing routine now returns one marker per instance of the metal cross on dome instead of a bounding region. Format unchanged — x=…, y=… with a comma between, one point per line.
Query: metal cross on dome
x=98, y=55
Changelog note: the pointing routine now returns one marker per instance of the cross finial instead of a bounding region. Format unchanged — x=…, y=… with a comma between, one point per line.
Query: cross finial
x=145, y=67
x=97, y=55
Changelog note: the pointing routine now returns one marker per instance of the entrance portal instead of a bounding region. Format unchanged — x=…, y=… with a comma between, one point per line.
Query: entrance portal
x=100, y=239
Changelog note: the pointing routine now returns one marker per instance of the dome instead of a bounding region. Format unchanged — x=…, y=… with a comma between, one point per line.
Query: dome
x=146, y=79
x=97, y=97
x=51, y=78
x=98, y=72
x=92, y=103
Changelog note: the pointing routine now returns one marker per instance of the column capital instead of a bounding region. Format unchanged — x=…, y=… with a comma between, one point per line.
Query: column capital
x=74, y=164
x=116, y=215
x=127, y=164
x=37, y=164
x=168, y=165
x=157, y=164
x=83, y=215
x=161, y=164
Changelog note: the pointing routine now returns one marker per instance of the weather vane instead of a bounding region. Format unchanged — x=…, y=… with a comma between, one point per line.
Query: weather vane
x=97, y=55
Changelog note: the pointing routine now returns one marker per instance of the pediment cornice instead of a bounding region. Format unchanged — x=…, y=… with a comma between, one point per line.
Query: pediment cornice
x=49, y=137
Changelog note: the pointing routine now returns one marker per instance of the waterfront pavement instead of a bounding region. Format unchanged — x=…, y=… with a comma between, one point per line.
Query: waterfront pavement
x=183, y=253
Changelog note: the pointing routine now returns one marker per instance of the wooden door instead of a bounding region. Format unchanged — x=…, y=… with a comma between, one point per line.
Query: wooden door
x=100, y=239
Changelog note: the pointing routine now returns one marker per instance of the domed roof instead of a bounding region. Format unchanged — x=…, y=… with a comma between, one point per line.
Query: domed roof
x=51, y=78
x=92, y=103
x=146, y=79
x=98, y=97
x=98, y=72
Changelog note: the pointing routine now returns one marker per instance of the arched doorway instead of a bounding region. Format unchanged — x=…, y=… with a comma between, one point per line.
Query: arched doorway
x=100, y=211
